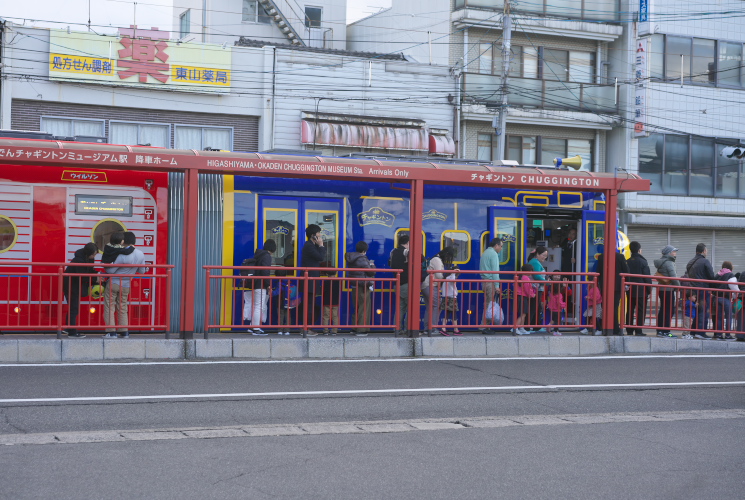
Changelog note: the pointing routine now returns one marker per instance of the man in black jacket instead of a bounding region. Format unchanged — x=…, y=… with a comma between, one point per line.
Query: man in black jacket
x=568, y=250
x=75, y=287
x=636, y=296
x=621, y=267
x=400, y=260
x=360, y=290
x=259, y=286
x=700, y=268
x=314, y=253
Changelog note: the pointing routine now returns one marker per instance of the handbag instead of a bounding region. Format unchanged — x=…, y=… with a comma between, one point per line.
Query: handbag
x=662, y=279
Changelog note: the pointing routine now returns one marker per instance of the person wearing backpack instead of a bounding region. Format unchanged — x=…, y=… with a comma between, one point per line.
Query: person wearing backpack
x=700, y=268
x=75, y=287
x=259, y=286
x=360, y=290
x=723, y=302
x=441, y=261
x=665, y=272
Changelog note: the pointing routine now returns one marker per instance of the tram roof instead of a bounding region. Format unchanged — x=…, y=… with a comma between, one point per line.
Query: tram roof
x=111, y=156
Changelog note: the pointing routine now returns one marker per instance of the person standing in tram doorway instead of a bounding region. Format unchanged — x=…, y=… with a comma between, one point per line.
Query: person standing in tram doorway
x=116, y=297
x=489, y=267
x=400, y=260
x=259, y=287
x=568, y=258
x=313, y=254
x=75, y=287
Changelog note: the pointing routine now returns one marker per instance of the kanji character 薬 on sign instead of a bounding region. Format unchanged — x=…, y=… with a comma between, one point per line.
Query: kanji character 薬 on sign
x=143, y=54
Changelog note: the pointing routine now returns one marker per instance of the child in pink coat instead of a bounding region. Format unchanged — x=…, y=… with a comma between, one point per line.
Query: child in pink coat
x=594, y=308
x=556, y=303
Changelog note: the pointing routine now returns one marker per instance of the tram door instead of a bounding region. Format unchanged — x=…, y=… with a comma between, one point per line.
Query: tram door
x=509, y=224
x=284, y=220
x=591, y=234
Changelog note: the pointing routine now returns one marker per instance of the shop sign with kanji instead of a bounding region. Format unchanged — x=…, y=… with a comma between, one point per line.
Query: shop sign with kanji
x=139, y=57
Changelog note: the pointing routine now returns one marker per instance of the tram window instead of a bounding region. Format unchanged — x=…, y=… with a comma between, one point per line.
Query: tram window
x=461, y=243
x=485, y=238
x=280, y=226
x=405, y=231
x=103, y=230
x=328, y=221
x=8, y=233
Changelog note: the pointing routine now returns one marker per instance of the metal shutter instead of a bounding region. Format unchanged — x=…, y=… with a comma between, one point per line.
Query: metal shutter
x=729, y=245
x=685, y=240
x=652, y=240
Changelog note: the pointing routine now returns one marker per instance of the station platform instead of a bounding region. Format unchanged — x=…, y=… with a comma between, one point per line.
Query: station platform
x=46, y=348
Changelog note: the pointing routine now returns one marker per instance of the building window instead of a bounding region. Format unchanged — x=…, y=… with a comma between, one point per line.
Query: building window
x=8, y=233
x=184, y=23
x=142, y=134
x=201, y=138
x=697, y=61
x=531, y=150
x=483, y=147
x=64, y=127
x=690, y=166
x=313, y=17
x=253, y=12
x=539, y=62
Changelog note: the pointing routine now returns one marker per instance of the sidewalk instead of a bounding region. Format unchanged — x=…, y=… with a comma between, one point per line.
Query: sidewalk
x=45, y=348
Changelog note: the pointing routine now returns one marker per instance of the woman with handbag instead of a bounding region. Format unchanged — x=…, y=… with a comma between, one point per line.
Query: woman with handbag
x=665, y=273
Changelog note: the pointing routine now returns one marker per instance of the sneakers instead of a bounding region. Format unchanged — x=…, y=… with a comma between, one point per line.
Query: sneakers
x=487, y=331
x=520, y=331
x=729, y=337
x=75, y=336
x=598, y=332
x=110, y=335
x=584, y=331
x=555, y=332
x=444, y=333
x=311, y=333
x=124, y=335
x=259, y=331
x=702, y=336
x=666, y=335
x=360, y=334
x=687, y=336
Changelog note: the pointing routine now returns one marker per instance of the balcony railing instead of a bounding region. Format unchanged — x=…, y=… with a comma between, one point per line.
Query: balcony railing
x=542, y=94
x=597, y=10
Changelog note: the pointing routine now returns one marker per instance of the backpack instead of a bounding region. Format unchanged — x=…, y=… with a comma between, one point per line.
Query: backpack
x=723, y=286
x=684, y=279
x=246, y=272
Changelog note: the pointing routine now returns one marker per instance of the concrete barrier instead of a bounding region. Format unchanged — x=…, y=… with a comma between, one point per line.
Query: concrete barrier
x=82, y=350
x=362, y=347
x=39, y=351
x=214, y=348
x=563, y=346
x=252, y=348
x=469, y=346
x=8, y=351
x=289, y=348
x=501, y=346
x=326, y=347
x=164, y=349
x=123, y=348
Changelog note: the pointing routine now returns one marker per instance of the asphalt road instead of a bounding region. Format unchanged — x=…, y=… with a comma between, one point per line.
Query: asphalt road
x=624, y=427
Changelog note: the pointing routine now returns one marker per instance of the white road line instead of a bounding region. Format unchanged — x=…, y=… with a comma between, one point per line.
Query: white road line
x=195, y=362
x=371, y=391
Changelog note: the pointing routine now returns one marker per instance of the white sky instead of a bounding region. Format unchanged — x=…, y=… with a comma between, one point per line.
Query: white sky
x=115, y=13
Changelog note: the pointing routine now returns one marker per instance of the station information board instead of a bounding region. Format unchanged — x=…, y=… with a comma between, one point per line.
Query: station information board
x=103, y=205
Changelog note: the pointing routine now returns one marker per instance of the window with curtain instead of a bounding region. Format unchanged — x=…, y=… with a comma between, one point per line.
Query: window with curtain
x=72, y=127
x=184, y=22
x=484, y=59
x=730, y=62
x=583, y=148
x=139, y=133
x=253, y=12
x=200, y=138
x=555, y=65
x=483, y=147
x=704, y=61
x=521, y=149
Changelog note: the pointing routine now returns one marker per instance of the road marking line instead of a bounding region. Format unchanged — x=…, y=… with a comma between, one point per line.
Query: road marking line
x=194, y=362
x=372, y=391
x=369, y=427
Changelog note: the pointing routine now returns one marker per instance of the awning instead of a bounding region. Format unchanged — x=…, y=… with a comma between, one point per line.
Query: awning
x=363, y=136
x=441, y=145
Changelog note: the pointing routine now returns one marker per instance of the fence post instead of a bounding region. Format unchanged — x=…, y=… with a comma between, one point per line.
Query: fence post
x=306, y=303
x=207, y=304
x=60, y=299
x=167, y=302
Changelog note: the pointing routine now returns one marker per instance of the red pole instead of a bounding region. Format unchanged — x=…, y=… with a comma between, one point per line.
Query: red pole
x=167, y=302
x=207, y=311
x=189, y=249
x=60, y=298
x=609, y=262
x=415, y=255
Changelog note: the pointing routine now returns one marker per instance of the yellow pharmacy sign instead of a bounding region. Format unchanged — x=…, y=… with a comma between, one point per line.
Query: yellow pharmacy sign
x=143, y=61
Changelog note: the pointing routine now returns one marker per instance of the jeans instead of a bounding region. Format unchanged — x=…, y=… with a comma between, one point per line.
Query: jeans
x=703, y=312
x=724, y=315
x=403, y=302
x=116, y=299
x=665, y=311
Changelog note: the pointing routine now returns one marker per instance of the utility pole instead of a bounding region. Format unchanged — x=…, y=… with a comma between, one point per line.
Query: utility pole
x=506, y=55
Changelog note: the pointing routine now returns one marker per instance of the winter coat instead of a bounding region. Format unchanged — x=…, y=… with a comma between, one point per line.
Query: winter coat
x=357, y=260
x=313, y=255
x=666, y=267
x=78, y=285
x=526, y=288
x=399, y=261
x=111, y=252
x=699, y=268
x=435, y=264
x=621, y=267
x=264, y=259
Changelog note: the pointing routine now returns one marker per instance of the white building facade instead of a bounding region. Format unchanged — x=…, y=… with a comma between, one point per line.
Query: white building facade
x=682, y=109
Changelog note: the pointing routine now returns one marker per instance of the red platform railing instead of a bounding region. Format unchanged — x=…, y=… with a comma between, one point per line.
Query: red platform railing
x=294, y=302
x=40, y=297
x=543, y=310
x=692, y=308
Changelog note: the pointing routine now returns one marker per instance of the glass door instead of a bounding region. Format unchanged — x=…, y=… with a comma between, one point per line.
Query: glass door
x=279, y=222
x=509, y=224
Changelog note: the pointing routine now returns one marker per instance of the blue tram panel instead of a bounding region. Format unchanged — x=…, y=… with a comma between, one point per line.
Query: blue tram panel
x=378, y=213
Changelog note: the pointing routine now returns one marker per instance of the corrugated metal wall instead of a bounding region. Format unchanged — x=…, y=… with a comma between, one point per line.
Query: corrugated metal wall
x=209, y=240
